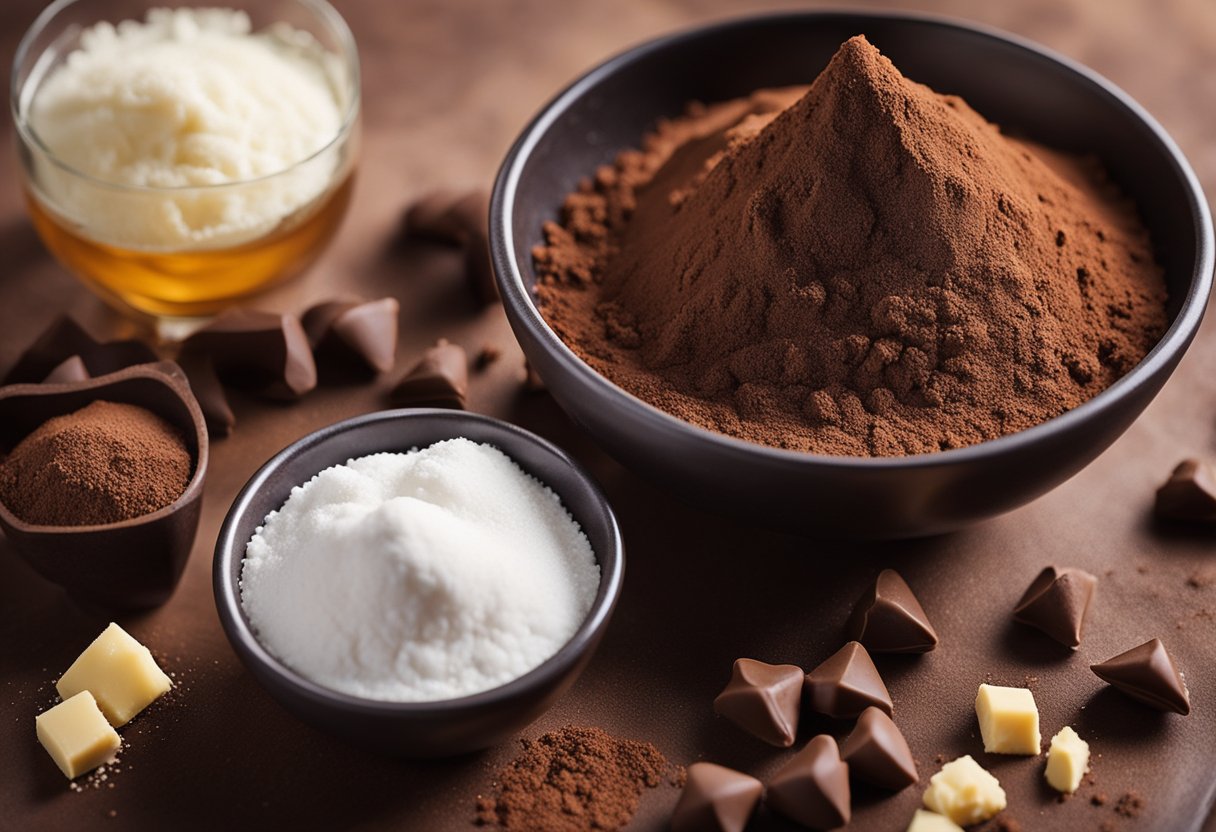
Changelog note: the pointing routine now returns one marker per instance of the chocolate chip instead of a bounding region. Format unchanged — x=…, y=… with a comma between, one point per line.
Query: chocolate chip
x=1189, y=494
x=265, y=352
x=448, y=217
x=877, y=752
x=847, y=683
x=359, y=334
x=212, y=400
x=65, y=338
x=71, y=370
x=889, y=619
x=813, y=787
x=715, y=799
x=1056, y=603
x=764, y=700
x=440, y=379
x=1147, y=674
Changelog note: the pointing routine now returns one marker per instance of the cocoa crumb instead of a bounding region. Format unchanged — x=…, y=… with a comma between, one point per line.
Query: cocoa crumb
x=1130, y=805
x=1098, y=799
x=486, y=356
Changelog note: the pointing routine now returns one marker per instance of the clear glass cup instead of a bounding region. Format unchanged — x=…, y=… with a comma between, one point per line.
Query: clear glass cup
x=98, y=228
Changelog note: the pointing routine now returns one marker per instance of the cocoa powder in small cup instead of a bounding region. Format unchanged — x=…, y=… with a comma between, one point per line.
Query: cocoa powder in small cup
x=104, y=463
x=575, y=779
x=863, y=267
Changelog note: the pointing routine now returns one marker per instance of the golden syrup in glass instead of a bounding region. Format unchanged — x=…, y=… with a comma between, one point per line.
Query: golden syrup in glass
x=191, y=284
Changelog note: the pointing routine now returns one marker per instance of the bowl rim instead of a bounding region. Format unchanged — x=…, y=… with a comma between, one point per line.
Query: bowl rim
x=171, y=376
x=226, y=580
x=19, y=107
x=519, y=300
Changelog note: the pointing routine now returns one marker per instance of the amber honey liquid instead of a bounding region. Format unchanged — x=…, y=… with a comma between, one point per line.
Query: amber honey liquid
x=195, y=284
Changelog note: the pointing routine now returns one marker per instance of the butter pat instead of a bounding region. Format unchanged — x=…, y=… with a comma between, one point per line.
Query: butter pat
x=1009, y=720
x=924, y=821
x=76, y=735
x=964, y=792
x=119, y=672
x=1067, y=760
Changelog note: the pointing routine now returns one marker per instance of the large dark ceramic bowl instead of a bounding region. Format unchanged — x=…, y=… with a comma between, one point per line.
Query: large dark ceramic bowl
x=134, y=563
x=1019, y=85
x=417, y=729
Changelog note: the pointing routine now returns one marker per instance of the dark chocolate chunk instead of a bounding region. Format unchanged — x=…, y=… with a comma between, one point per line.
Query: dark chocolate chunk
x=65, y=338
x=764, y=700
x=72, y=369
x=813, y=787
x=449, y=217
x=1147, y=674
x=847, y=683
x=354, y=332
x=479, y=269
x=716, y=799
x=1189, y=494
x=440, y=379
x=1056, y=603
x=265, y=352
x=207, y=390
x=877, y=752
x=889, y=619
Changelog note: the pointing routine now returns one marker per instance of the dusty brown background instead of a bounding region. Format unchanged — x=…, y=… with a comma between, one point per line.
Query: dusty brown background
x=447, y=87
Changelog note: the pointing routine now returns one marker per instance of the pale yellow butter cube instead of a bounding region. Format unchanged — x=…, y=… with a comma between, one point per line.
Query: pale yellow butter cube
x=924, y=821
x=1067, y=760
x=77, y=735
x=1009, y=720
x=964, y=792
x=119, y=672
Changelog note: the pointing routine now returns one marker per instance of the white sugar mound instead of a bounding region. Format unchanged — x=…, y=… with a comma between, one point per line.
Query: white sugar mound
x=421, y=576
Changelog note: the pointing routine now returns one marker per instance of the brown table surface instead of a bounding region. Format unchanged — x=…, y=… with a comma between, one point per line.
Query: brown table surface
x=447, y=86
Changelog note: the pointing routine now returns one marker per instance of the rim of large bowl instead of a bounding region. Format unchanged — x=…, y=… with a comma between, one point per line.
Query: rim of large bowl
x=226, y=580
x=331, y=17
x=510, y=277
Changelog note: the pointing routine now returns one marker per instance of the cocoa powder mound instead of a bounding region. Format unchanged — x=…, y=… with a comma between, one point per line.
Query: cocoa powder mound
x=862, y=267
x=105, y=463
x=575, y=779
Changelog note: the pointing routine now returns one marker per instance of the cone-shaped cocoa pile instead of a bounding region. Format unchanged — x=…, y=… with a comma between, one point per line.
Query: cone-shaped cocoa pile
x=873, y=269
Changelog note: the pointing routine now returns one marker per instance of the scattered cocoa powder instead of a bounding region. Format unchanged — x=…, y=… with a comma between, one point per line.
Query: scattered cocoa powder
x=105, y=463
x=1129, y=805
x=574, y=779
x=861, y=267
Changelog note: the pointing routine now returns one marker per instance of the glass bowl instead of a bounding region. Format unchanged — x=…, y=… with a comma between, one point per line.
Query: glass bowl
x=181, y=251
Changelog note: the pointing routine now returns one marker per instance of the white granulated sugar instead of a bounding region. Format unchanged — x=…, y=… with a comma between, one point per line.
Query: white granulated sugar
x=420, y=576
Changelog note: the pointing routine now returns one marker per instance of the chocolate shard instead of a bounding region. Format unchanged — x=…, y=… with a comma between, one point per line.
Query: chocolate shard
x=847, y=683
x=1189, y=495
x=362, y=333
x=65, y=338
x=265, y=352
x=716, y=799
x=72, y=369
x=889, y=619
x=813, y=787
x=877, y=752
x=450, y=217
x=440, y=379
x=764, y=700
x=1056, y=603
x=207, y=390
x=1147, y=674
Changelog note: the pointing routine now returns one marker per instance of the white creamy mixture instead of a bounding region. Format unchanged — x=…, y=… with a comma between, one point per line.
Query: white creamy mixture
x=188, y=97
x=413, y=577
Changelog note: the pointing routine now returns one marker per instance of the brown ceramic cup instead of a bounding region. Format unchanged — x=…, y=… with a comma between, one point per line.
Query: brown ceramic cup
x=134, y=563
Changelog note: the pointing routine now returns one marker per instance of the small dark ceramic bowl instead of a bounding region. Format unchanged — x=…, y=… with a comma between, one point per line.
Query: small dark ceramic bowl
x=417, y=729
x=1019, y=85
x=135, y=563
